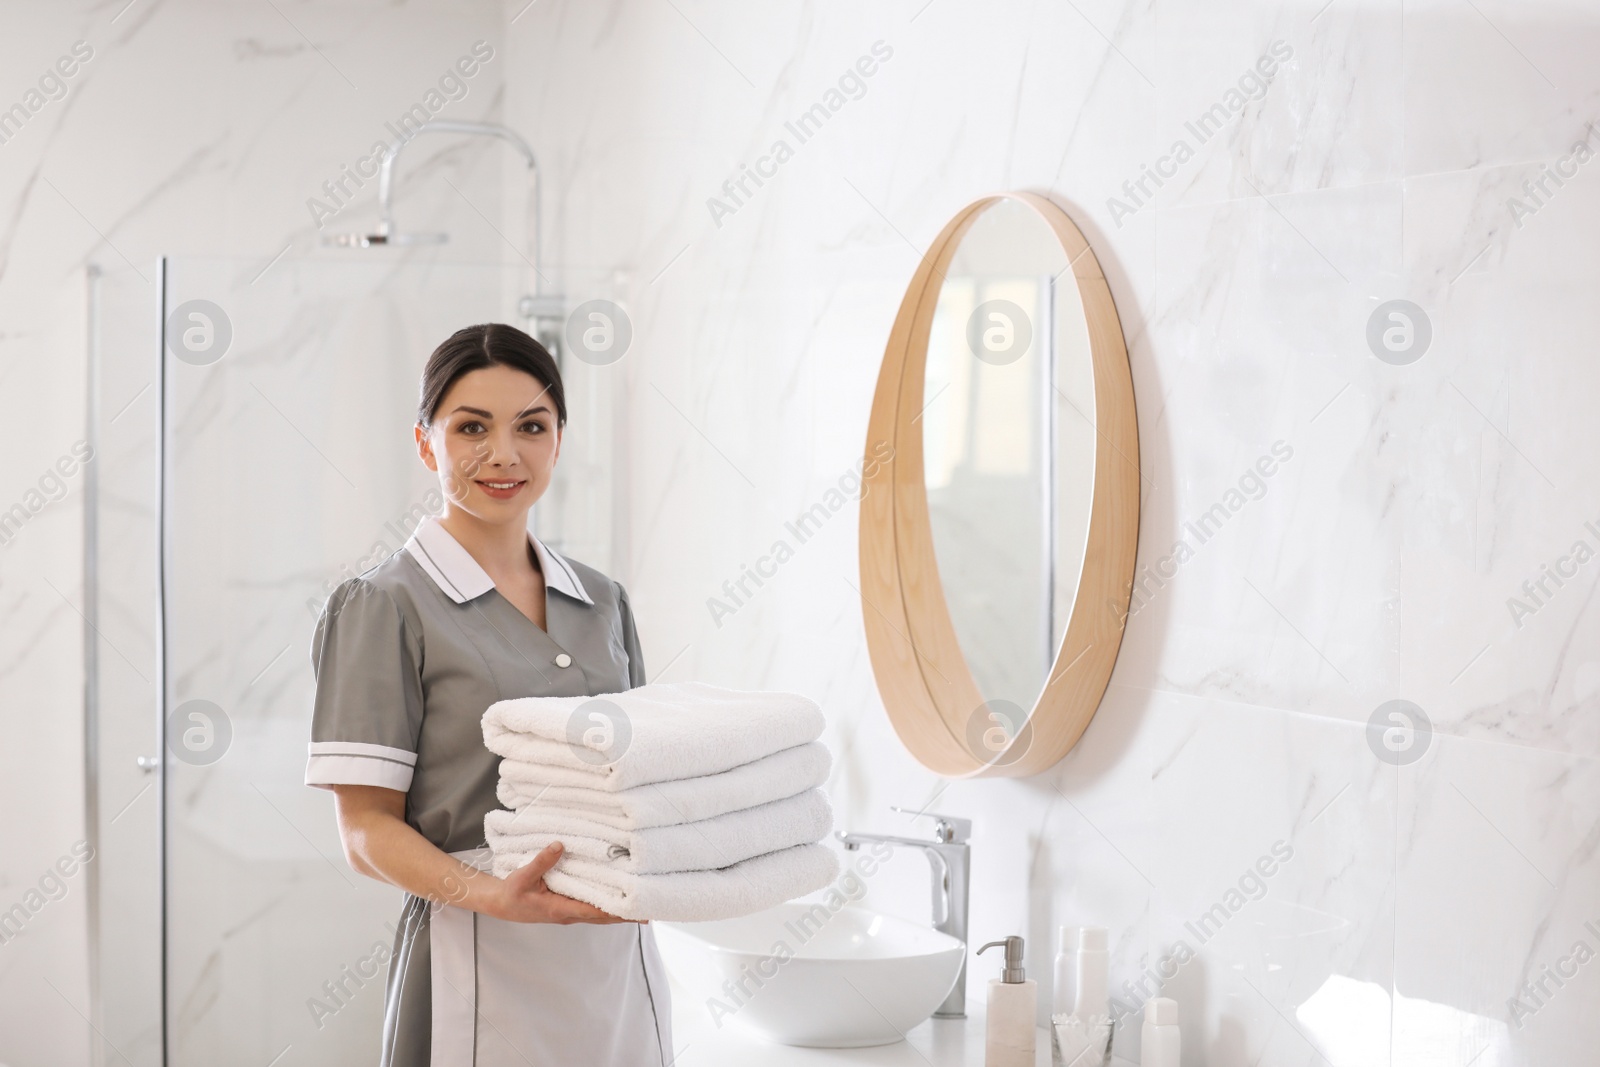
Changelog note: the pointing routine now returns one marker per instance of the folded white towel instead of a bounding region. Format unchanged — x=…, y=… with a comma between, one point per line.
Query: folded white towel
x=720, y=841
x=782, y=774
x=689, y=896
x=668, y=730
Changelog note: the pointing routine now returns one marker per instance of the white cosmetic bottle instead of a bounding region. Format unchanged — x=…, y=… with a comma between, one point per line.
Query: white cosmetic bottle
x=1094, y=974
x=1159, y=1038
x=1064, y=997
x=1013, y=1002
x=1081, y=1036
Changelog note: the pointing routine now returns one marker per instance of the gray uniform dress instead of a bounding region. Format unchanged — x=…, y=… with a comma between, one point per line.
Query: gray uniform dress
x=407, y=657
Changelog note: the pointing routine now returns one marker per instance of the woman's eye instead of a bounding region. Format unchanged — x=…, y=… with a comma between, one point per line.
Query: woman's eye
x=533, y=426
x=471, y=427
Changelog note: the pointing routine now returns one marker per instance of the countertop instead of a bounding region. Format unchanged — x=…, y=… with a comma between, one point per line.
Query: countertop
x=931, y=1043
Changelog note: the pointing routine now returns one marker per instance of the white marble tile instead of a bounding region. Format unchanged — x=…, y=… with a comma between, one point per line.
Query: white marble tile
x=1497, y=881
x=1495, y=83
x=1278, y=100
x=1501, y=467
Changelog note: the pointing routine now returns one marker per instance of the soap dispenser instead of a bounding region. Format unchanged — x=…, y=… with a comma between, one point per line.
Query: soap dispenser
x=1013, y=1002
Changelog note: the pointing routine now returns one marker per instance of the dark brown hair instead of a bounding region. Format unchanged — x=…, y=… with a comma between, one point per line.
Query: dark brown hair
x=488, y=344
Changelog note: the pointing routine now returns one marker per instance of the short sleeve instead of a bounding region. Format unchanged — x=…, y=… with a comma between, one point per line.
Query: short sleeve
x=630, y=640
x=368, y=708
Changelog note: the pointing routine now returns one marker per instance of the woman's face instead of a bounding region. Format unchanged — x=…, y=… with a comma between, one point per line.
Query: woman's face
x=493, y=442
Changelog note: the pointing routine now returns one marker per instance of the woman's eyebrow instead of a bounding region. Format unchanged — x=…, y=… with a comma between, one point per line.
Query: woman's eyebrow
x=482, y=414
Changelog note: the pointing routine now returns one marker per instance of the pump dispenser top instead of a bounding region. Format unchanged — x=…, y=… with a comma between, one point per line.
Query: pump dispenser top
x=1013, y=973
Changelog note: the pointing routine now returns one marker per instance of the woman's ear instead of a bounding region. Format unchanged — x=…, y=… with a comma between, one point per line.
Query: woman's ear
x=425, y=448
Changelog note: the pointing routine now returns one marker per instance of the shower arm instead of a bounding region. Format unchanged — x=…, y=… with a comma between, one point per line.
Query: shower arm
x=481, y=129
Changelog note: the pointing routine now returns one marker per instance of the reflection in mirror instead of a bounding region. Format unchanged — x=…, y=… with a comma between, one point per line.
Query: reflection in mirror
x=1008, y=440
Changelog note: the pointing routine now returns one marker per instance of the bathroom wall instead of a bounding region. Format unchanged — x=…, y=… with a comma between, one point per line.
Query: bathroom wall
x=1402, y=551
x=194, y=128
x=1364, y=910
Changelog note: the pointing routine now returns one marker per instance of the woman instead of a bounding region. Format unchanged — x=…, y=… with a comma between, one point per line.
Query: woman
x=473, y=610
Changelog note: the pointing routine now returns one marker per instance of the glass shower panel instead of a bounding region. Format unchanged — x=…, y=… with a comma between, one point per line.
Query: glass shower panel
x=124, y=898
x=290, y=396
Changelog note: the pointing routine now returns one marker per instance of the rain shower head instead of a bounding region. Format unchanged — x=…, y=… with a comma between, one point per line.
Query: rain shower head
x=385, y=233
x=545, y=311
x=373, y=240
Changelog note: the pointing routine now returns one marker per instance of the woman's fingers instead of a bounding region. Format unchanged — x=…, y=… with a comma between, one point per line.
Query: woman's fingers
x=535, y=869
x=528, y=881
x=578, y=911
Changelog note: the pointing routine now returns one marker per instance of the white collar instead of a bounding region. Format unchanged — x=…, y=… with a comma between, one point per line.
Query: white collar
x=454, y=571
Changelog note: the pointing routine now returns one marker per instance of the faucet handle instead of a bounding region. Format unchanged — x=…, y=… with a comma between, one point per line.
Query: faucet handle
x=949, y=830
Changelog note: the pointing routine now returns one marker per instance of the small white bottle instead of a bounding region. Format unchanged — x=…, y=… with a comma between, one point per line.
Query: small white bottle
x=1013, y=1004
x=1094, y=974
x=1093, y=1004
x=1159, y=1038
x=1065, y=995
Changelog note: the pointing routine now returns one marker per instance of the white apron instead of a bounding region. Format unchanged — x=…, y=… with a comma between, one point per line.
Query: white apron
x=511, y=994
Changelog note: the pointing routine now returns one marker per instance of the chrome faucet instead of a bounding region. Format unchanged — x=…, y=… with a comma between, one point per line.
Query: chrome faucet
x=949, y=858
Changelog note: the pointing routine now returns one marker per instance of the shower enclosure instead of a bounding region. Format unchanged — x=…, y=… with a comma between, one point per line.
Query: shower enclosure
x=252, y=426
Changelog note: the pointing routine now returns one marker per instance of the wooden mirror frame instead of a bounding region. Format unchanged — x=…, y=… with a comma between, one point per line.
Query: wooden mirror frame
x=927, y=687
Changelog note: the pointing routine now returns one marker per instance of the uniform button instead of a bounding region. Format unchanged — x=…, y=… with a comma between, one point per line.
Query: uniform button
x=563, y=660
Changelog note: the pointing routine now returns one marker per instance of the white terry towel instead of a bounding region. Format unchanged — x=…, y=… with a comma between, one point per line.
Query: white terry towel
x=675, y=730
x=708, y=844
x=782, y=774
x=689, y=896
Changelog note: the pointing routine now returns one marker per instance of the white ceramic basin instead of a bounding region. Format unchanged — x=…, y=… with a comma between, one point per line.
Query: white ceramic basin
x=801, y=974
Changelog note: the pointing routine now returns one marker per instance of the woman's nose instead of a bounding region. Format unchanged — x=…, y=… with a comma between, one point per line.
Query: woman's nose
x=502, y=450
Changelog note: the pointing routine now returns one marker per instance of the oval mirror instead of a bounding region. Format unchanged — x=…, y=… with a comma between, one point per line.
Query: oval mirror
x=1000, y=519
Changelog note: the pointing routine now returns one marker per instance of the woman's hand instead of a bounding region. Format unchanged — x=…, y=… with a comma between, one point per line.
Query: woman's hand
x=378, y=842
x=526, y=899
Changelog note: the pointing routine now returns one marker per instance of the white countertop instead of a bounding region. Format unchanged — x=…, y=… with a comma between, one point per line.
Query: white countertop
x=931, y=1043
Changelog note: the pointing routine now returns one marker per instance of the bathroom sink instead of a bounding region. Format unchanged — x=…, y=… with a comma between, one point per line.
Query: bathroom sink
x=801, y=974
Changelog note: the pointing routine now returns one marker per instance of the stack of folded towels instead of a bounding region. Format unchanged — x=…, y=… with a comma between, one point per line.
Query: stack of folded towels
x=710, y=809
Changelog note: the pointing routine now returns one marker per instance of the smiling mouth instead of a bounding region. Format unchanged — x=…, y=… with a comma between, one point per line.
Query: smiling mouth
x=500, y=489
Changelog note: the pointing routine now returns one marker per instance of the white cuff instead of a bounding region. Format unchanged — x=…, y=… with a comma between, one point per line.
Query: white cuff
x=358, y=763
